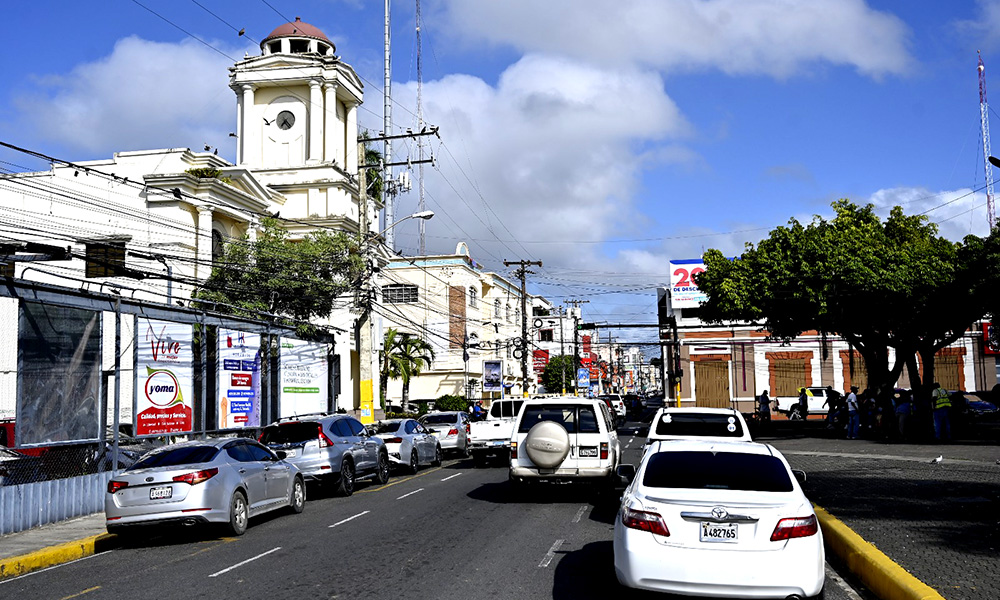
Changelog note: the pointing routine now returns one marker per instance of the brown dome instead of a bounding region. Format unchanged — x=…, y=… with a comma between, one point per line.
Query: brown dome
x=297, y=29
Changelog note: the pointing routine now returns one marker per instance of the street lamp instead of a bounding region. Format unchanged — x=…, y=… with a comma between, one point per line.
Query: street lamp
x=424, y=214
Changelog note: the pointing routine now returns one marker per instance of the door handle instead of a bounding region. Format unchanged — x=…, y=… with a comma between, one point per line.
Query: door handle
x=242, y=471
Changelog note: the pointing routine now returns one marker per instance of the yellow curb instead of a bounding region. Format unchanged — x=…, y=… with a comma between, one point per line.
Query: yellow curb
x=53, y=555
x=886, y=579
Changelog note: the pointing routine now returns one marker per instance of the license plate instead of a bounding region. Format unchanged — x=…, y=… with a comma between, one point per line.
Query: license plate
x=496, y=443
x=719, y=532
x=159, y=493
x=291, y=453
x=588, y=452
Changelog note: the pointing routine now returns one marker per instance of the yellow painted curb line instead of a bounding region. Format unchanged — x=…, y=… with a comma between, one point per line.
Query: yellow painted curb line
x=886, y=579
x=54, y=555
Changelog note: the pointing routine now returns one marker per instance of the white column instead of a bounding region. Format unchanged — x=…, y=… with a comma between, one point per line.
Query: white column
x=203, y=268
x=351, y=165
x=331, y=127
x=248, y=133
x=239, y=129
x=315, y=122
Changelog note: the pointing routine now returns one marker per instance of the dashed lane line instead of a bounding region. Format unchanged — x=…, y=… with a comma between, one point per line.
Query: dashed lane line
x=404, y=480
x=410, y=494
x=451, y=477
x=249, y=560
x=360, y=514
x=550, y=554
x=78, y=594
x=579, y=514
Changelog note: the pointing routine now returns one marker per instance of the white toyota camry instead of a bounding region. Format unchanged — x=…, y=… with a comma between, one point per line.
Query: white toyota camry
x=717, y=519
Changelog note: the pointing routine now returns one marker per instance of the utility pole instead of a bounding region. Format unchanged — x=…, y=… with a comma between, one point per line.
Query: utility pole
x=576, y=342
x=390, y=200
x=521, y=272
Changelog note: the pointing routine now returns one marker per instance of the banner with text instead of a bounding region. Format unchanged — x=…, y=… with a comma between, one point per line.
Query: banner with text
x=684, y=292
x=239, y=379
x=304, y=378
x=164, y=387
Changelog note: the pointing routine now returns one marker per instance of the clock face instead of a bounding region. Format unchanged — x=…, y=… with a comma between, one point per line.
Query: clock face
x=285, y=119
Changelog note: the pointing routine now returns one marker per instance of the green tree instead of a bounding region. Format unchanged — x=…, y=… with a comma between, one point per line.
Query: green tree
x=404, y=357
x=879, y=285
x=559, y=366
x=276, y=275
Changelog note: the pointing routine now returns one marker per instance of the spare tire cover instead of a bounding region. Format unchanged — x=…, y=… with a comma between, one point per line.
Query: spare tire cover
x=547, y=444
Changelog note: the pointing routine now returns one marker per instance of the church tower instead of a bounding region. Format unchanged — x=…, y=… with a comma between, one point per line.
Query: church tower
x=297, y=125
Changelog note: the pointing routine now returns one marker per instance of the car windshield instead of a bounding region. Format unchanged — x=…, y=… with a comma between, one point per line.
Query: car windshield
x=717, y=471
x=184, y=455
x=699, y=425
x=290, y=433
x=387, y=427
x=437, y=419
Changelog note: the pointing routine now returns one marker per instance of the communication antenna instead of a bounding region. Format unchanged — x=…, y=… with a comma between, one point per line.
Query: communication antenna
x=420, y=127
x=387, y=192
x=984, y=120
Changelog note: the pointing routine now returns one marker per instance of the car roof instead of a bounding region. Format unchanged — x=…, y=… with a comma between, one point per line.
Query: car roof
x=697, y=445
x=698, y=409
x=563, y=400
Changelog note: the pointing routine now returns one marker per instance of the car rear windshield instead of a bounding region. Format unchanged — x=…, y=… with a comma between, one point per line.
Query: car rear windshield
x=576, y=419
x=290, y=433
x=699, y=425
x=438, y=419
x=387, y=427
x=717, y=471
x=186, y=455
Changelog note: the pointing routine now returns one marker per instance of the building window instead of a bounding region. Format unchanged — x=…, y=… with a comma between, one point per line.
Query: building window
x=105, y=259
x=218, y=246
x=323, y=48
x=517, y=315
x=472, y=297
x=399, y=293
x=545, y=335
x=507, y=312
x=275, y=47
x=298, y=46
x=496, y=309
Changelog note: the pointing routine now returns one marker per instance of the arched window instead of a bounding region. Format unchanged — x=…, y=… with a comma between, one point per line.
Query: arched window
x=507, y=313
x=218, y=246
x=517, y=315
x=472, y=297
x=496, y=308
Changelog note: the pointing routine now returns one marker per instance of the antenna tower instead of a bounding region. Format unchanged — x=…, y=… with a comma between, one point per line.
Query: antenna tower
x=984, y=119
x=420, y=127
x=388, y=195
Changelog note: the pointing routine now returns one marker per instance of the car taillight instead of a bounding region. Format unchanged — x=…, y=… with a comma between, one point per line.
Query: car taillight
x=644, y=521
x=453, y=431
x=468, y=430
x=114, y=486
x=197, y=476
x=513, y=449
x=324, y=442
x=604, y=451
x=394, y=440
x=797, y=527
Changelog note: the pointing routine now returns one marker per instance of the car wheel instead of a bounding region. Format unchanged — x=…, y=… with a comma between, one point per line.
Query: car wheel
x=346, y=485
x=239, y=514
x=414, y=463
x=437, y=457
x=382, y=471
x=298, y=501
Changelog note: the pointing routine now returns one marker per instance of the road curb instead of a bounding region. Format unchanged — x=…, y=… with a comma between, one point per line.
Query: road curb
x=56, y=555
x=886, y=579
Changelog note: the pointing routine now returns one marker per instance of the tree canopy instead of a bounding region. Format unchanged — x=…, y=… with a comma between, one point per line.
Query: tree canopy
x=878, y=284
x=559, y=366
x=274, y=274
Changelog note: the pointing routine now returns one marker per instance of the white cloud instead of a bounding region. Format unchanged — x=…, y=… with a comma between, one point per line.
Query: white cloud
x=984, y=27
x=780, y=38
x=957, y=213
x=143, y=95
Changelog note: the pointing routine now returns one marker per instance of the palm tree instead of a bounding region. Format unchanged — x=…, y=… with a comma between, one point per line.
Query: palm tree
x=404, y=356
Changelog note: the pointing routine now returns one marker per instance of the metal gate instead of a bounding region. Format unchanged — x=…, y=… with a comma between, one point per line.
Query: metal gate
x=711, y=380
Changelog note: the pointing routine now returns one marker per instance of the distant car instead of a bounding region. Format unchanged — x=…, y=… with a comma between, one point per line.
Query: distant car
x=334, y=449
x=697, y=422
x=409, y=443
x=225, y=481
x=451, y=428
x=564, y=439
x=617, y=406
x=720, y=519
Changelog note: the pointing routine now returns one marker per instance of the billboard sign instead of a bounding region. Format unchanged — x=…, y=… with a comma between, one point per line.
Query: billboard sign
x=540, y=359
x=583, y=378
x=164, y=390
x=989, y=340
x=305, y=378
x=684, y=292
x=493, y=376
x=239, y=379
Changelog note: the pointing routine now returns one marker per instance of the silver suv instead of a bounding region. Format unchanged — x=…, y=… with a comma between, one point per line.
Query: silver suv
x=329, y=448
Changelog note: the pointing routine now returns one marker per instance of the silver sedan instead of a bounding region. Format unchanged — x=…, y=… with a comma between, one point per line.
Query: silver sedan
x=451, y=428
x=409, y=443
x=224, y=481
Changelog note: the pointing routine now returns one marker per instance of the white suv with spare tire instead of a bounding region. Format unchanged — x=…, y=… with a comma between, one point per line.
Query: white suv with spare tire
x=565, y=438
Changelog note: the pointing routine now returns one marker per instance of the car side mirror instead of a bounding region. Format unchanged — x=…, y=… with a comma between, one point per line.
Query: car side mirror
x=800, y=475
x=281, y=454
x=626, y=474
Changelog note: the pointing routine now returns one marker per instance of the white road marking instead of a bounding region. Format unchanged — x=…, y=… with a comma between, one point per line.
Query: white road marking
x=52, y=567
x=550, y=554
x=837, y=579
x=579, y=514
x=240, y=564
x=361, y=514
x=451, y=477
x=410, y=494
x=627, y=446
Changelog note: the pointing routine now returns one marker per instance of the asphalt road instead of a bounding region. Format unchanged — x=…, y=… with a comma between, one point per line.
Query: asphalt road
x=454, y=532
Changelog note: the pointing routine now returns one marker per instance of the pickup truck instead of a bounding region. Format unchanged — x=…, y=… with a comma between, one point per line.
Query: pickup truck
x=789, y=404
x=492, y=437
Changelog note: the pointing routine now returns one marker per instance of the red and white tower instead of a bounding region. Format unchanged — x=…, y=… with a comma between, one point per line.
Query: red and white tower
x=984, y=119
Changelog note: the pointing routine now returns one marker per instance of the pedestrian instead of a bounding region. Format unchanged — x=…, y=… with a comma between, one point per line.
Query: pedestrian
x=904, y=411
x=803, y=406
x=832, y=404
x=764, y=408
x=478, y=412
x=942, y=409
x=853, y=414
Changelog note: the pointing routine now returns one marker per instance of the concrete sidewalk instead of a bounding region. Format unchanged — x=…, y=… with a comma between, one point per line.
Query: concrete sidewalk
x=939, y=521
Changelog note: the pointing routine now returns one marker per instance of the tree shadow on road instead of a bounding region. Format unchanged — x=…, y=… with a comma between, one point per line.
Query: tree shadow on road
x=605, y=502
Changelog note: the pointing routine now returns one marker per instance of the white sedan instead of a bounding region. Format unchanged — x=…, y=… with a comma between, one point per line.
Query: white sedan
x=717, y=519
x=409, y=443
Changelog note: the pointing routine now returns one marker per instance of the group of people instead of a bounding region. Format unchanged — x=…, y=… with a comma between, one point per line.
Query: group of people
x=890, y=416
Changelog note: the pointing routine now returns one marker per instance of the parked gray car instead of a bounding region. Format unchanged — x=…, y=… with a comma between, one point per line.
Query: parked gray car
x=451, y=428
x=330, y=448
x=207, y=481
x=409, y=443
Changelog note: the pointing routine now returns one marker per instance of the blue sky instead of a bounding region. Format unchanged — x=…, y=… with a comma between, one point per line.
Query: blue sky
x=604, y=139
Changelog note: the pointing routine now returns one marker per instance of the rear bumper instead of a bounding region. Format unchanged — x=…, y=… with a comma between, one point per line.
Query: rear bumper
x=518, y=472
x=489, y=447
